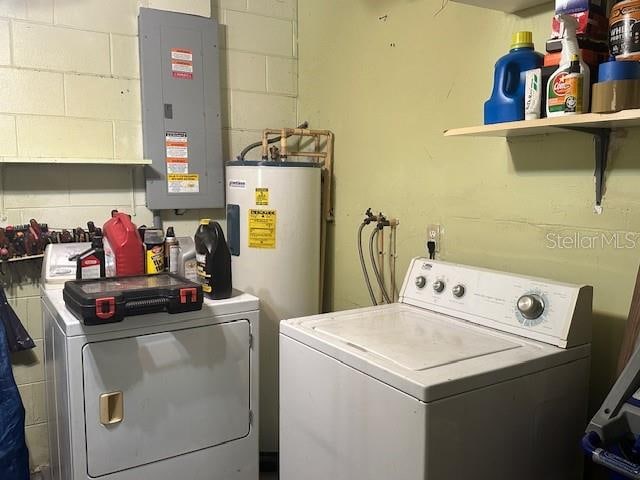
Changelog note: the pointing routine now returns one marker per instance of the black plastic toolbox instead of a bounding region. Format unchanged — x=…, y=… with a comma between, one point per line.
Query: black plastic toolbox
x=110, y=300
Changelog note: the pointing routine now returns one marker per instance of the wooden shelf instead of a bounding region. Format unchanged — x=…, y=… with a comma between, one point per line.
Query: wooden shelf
x=543, y=126
x=509, y=6
x=598, y=125
x=21, y=259
x=73, y=161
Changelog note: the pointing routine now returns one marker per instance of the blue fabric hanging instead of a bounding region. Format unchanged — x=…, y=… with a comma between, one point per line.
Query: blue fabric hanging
x=17, y=336
x=14, y=456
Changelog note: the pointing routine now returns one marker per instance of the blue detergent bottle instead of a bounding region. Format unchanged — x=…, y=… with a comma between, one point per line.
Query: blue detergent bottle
x=507, y=100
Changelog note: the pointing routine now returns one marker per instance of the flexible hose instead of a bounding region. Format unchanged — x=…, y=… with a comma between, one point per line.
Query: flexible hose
x=392, y=262
x=372, y=238
x=248, y=148
x=367, y=280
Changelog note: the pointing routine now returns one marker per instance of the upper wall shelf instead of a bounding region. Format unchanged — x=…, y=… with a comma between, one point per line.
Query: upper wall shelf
x=73, y=161
x=599, y=125
x=626, y=118
x=509, y=6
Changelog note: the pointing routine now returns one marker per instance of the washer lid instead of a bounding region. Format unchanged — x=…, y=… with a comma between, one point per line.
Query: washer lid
x=424, y=354
x=411, y=340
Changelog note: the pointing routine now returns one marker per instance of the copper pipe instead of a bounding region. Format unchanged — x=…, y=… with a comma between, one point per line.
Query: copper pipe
x=393, y=255
x=327, y=207
x=308, y=154
x=305, y=132
x=265, y=145
x=283, y=143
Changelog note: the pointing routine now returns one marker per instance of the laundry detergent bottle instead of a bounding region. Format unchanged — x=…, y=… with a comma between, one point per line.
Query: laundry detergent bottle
x=507, y=100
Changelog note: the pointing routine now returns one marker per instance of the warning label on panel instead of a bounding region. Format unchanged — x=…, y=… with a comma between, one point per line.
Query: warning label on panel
x=262, y=229
x=177, y=152
x=262, y=196
x=183, y=182
x=182, y=63
x=176, y=167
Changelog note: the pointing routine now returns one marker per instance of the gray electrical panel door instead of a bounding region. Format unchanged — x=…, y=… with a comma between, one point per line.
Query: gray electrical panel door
x=181, y=110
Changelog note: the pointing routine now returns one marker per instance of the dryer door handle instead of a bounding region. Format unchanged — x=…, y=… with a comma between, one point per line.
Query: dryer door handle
x=111, y=408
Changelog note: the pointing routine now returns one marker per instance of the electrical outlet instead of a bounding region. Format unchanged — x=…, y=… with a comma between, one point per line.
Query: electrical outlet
x=433, y=235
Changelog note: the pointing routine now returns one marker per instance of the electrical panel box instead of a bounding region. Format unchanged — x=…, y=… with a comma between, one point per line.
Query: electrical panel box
x=181, y=123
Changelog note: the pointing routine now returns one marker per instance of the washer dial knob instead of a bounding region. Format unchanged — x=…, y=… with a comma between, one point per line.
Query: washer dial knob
x=438, y=286
x=458, y=291
x=531, y=306
x=421, y=281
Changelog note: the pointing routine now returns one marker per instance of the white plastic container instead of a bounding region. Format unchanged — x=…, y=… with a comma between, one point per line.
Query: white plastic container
x=533, y=94
x=187, y=265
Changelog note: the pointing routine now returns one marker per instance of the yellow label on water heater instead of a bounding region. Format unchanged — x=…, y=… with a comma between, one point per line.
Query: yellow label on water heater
x=262, y=196
x=262, y=229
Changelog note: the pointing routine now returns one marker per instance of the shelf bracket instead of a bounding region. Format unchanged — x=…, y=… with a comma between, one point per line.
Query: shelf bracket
x=602, y=139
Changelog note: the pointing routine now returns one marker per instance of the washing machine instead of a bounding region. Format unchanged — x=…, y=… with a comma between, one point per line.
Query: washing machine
x=473, y=374
x=156, y=396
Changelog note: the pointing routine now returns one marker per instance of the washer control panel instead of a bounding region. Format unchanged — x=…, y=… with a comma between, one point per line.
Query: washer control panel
x=545, y=310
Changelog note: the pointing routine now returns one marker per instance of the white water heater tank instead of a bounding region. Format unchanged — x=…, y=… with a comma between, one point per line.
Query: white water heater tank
x=273, y=230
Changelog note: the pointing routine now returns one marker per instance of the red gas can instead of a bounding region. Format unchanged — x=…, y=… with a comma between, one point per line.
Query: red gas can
x=123, y=248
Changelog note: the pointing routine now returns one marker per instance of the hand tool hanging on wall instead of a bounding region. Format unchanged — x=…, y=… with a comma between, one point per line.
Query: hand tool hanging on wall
x=32, y=238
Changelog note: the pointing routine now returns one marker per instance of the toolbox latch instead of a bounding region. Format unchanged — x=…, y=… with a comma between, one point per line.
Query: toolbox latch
x=105, y=308
x=184, y=292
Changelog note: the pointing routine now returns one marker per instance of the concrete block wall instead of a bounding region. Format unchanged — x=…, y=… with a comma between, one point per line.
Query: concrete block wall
x=260, y=79
x=69, y=88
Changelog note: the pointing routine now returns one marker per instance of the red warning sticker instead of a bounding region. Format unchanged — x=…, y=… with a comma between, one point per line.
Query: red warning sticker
x=182, y=63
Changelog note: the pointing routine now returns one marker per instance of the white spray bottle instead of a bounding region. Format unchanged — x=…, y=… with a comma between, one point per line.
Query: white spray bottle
x=557, y=88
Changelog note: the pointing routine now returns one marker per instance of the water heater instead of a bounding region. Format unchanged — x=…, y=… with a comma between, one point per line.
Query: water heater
x=273, y=228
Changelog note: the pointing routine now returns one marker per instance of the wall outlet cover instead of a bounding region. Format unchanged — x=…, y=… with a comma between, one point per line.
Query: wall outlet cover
x=434, y=233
